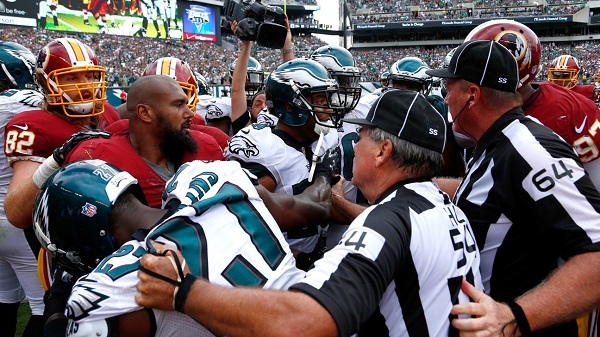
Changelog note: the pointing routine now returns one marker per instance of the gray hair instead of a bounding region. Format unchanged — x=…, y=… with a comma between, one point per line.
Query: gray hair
x=420, y=161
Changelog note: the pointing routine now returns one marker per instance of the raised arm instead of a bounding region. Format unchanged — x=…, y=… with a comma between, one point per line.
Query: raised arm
x=239, y=105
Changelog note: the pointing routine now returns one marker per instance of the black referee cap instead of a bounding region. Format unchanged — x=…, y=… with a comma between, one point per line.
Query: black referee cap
x=408, y=115
x=483, y=62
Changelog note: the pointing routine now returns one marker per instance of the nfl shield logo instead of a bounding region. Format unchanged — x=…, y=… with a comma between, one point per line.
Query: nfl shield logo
x=88, y=210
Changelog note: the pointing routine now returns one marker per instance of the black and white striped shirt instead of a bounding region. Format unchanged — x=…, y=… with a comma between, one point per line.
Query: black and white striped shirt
x=530, y=204
x=398, y=268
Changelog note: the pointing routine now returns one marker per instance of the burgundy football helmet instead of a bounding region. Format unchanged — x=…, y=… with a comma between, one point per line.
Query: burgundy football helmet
x=519, y=39
x=179, y=71
x=68, y=72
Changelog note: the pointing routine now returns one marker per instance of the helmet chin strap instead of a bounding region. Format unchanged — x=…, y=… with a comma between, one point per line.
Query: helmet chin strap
x=321, y=130
x=315, y=157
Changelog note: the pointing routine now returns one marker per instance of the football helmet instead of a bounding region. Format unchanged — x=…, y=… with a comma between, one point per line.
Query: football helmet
x=342, y=67
x=519, y=39
x=288, y=89
x=61, y=62
x=203, y=87
x=411, y=69
x=564, y=71
x=255, y=77
x=597, y=77
x=71, y=213
x=179, y=71
x=17, y=66
x=384, y=78
x=446, y=62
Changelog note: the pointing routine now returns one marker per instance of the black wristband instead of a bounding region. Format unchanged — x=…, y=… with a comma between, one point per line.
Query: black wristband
x=182, y=292
x=520, y=317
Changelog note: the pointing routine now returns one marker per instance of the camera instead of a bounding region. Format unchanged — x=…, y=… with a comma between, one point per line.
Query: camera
x=264, y=24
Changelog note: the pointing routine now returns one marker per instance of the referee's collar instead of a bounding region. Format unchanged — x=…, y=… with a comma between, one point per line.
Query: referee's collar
x=492, y=132
x=397, y=186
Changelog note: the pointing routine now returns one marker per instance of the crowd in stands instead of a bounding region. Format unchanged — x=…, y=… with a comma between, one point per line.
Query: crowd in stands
x=126, y=57
x=421, y=10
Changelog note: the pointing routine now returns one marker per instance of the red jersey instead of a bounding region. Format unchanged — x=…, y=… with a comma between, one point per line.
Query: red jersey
x=118, y=151
x=33, y=135
x=221, y=137
x=589, y=91
x=570, y=115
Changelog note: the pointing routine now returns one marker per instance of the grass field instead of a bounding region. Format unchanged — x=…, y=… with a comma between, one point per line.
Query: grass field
x=24, y=313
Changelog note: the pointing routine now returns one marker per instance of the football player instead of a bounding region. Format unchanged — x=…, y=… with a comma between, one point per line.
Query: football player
x=46, y=6
x=248, y=99
x=194, y=89
x=409, y=73
x=341, y=65
x=18, y=264
x=565, y=71
x=83, y=223
x=74, y=85
x=301, y=94
x=157, y=139
x=569, y=114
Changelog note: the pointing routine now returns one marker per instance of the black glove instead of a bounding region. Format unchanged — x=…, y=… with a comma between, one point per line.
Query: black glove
x=329, y=165
x=306, y=261
x=61, y=152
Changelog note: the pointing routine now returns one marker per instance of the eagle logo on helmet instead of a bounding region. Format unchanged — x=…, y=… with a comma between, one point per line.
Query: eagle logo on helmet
x=302, y=78
x=517, y=44
x=241, y=144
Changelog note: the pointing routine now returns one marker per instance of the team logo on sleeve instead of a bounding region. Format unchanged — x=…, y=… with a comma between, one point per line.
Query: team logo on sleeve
x=243, y=145
x=214, y=111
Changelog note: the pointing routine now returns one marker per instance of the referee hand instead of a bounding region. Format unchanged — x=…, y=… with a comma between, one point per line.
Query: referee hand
x=152, y=291
x=491, y=318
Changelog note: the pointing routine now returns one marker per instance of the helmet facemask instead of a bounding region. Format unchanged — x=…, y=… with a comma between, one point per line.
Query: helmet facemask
x=306, y=101
x=90, y=96
x=349, y=84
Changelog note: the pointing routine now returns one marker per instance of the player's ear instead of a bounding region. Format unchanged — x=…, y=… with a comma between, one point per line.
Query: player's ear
x=144, y=112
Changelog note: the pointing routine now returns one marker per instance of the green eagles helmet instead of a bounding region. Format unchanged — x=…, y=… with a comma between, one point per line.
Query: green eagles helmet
x=411, y=69
x=17, y=65
x=255, y=77
x=342, y=67
x=288, y=89
x=203, y=87
x=71, y=214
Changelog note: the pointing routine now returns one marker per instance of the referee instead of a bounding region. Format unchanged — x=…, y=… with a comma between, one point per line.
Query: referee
x=530, y=202
x=397, y=270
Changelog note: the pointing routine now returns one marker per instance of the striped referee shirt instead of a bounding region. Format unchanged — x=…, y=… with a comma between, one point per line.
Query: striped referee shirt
x=398, y=268
x=530, y=204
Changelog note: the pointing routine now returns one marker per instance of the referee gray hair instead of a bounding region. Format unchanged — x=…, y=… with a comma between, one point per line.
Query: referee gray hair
x=420, y=161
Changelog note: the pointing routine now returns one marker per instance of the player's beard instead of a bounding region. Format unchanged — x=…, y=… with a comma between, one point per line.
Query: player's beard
x=175, y=142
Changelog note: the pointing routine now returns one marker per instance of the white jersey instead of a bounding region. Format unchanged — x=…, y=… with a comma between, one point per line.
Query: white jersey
x=12, y=102
x=265, y=151
x=226, y=235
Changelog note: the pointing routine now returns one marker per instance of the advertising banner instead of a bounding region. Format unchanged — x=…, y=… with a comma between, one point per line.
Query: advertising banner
x=200, y=22
x=18, y=13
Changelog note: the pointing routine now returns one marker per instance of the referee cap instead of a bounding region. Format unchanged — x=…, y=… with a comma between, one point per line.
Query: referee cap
x=487, y=63
x=408, y=115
